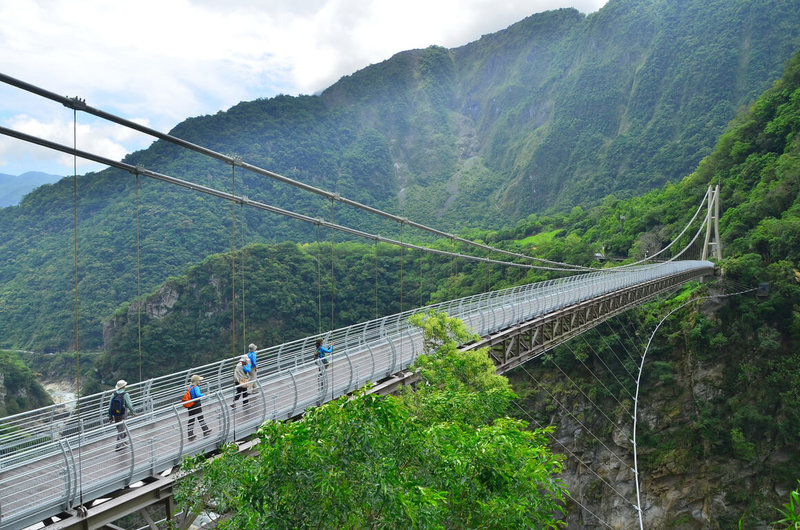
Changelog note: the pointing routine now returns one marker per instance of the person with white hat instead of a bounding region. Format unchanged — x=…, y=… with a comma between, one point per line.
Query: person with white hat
x=118, y=409
x=241, y=380
x=196, y=409
x=251, y=356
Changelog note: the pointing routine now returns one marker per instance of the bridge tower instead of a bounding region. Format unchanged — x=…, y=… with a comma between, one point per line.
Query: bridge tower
x=712, y=247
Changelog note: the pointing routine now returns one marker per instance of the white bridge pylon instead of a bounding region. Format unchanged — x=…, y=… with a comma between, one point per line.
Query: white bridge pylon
x=712, y=245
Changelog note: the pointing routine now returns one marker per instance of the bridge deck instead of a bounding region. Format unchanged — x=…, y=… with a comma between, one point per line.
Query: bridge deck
x=54, y=460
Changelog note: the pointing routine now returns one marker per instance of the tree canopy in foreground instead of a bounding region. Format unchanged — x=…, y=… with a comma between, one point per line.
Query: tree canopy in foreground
x=441, y=456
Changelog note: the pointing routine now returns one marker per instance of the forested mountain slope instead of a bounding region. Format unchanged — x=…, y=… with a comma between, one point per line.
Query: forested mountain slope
x=557, y=110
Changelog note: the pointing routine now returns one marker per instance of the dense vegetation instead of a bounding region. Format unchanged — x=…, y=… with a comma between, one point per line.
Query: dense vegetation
x=20, y=389
x=443, y=456
x=557, y=110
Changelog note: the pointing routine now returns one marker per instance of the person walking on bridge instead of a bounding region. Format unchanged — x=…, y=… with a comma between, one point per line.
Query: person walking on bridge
x=196, y=410
x=241, y=380
x=323, y=350
x=118, y=412
x=251, y=356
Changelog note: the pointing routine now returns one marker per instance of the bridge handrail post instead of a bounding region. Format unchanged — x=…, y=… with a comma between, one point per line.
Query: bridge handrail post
x=393, y=366
x=224, y=412
x=73, y=492
x=349, y=364
x=278, y=358
x=220, y=365
x=147, y=399
x=372, y=356
x=296, y=394
x=411, y=340
x=482, y=331
x=132, y=453
x=51, y=429
x=298, y=355
x=514, y=296
x=531, y=302
x=180, y=430
x=67, y=477
x=500, y=306
x=262, y=399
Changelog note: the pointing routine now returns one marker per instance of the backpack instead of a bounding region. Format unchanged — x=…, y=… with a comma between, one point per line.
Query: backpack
x=188, y=400
x=117, y=405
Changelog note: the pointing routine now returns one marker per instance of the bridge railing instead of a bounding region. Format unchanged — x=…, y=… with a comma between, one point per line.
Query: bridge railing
x=81, y=445
x=485, y=313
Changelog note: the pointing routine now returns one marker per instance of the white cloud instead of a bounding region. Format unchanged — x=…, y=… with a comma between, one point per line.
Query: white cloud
x=166, y=61
x=98, y=137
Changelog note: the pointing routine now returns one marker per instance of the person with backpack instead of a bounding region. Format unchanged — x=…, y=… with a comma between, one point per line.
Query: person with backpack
x=241, y=380
x=118, y=412
x=322, y=350
x=251, y=356
x=195, y=408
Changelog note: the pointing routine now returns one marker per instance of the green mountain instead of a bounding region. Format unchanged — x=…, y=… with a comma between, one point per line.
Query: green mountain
x=557, y=110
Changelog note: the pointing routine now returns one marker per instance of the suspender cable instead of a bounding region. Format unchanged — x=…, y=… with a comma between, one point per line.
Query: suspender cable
x=255, y=204
x=453, y=266
x=75, y=260
x=138, y=281
x=419, y=284
x=375, y=244
x=77, y=104
x=242, y=263
x=402, y=256
x=333, y=279
x=233, y=262
x=319, y=282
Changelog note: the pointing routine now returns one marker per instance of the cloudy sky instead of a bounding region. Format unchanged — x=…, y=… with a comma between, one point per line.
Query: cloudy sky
x=158, y=62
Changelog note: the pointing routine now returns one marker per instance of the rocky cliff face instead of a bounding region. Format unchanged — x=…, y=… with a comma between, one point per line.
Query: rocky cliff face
x=154, y=307
x=687, y=479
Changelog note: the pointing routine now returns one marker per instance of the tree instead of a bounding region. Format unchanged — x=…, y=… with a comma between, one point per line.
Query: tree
x=369, y=461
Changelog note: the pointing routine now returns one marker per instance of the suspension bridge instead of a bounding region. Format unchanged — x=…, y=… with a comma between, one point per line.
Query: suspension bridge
x=56, y=463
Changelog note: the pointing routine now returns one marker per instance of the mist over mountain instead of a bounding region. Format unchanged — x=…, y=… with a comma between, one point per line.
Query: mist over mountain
x=14, y=187
x=560, y=109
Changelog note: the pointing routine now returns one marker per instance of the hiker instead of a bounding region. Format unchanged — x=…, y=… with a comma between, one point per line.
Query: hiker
x=241, y=380
x=196, y=410
x=251, y=356
x=118, y=412
x=322, y=350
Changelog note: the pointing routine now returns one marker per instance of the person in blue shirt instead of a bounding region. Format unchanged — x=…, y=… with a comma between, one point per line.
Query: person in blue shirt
x=196, y=410
x=322, y=350
x=251, y=355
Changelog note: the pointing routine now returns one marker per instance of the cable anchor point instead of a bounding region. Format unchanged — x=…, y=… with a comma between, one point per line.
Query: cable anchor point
x=75, y=103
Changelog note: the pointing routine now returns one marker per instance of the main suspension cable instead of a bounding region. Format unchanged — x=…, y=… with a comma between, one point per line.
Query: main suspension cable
x=79, y=104
x=255, y=204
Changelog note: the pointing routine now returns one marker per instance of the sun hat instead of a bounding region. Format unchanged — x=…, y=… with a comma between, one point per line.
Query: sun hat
x=244, y=359
x=196, y=379
x=121, y=384
x=253, y=347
